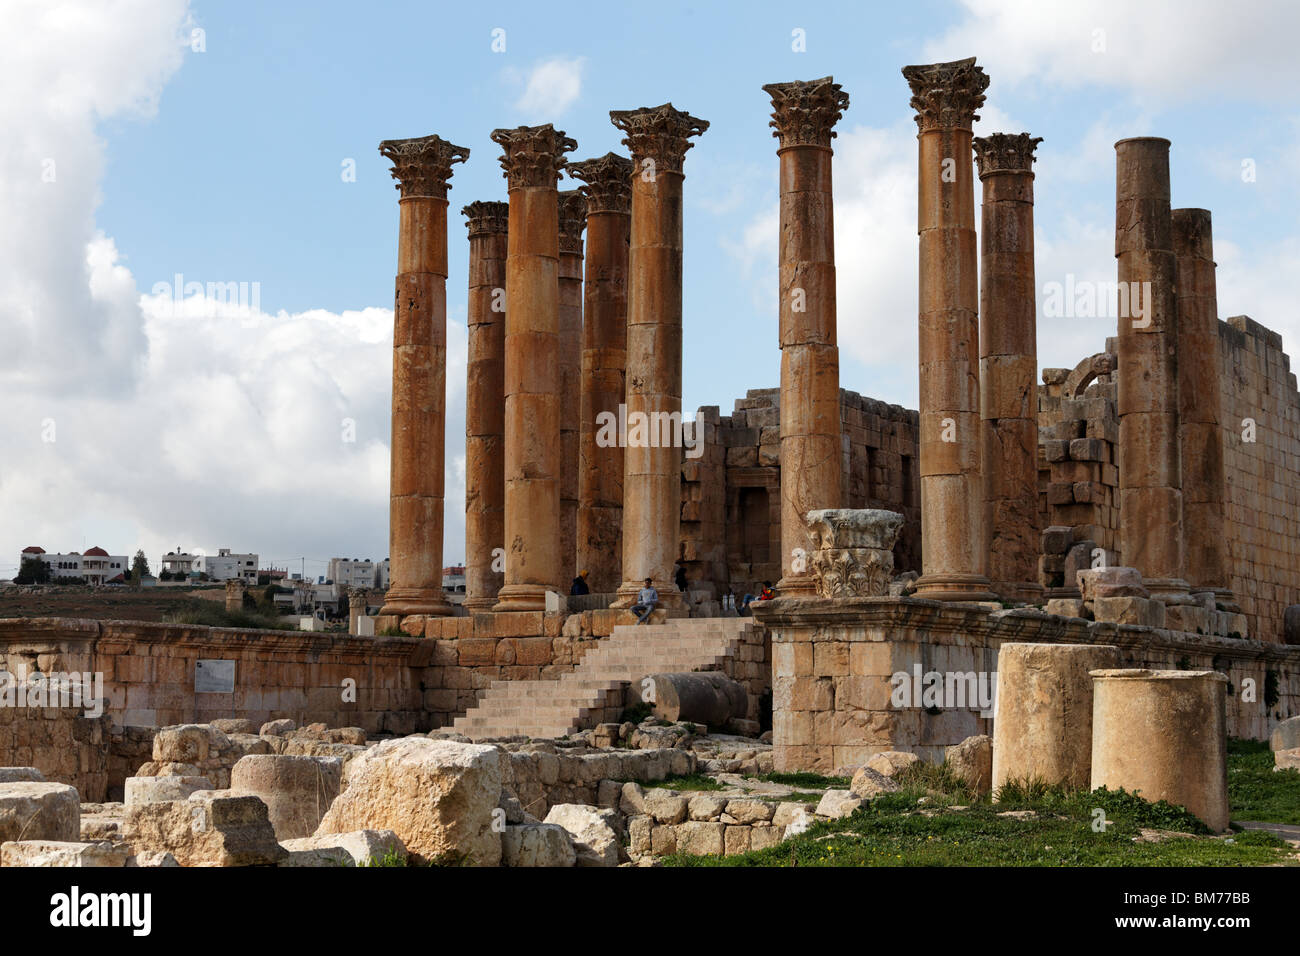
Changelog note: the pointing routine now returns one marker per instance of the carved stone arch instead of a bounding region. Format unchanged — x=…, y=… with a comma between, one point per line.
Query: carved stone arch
x=1087, y=372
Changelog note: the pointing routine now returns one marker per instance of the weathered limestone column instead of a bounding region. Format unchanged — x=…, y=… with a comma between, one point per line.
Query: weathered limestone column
x=604, y=362
x=1009, y=363
x=1199, y=435
x=356, y=609
x=1042, y=725
x=421, y=167
x=658, y=138
x=573, y=220
x=1150, y=482
x=1163, y=734
x=485, y=409
x=954, y=536
x=235, y=594
x=803, y=115
x=534, y=156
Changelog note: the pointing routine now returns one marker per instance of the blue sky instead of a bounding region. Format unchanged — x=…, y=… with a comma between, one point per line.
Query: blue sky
x=224, y=165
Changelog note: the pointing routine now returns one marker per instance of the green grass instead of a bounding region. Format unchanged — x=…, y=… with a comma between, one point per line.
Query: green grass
x=802, y=779
x=695, y=781
x=210, y=614
x=1257, y=792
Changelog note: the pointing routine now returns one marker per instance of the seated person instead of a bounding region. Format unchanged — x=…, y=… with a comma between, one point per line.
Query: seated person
x=767, y=593
x=646, y=600
x=579, y=585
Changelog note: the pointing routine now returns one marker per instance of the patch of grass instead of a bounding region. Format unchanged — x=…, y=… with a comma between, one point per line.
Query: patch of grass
x=391, y=858
x=695, y=781
x=392, y=631
x=934, y=779
x=803, y=779
x=1255, y=790
x=635, y=714
x=210, y=614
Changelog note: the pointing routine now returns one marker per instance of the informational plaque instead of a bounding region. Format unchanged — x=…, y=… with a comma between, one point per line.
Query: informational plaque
x=214, y=677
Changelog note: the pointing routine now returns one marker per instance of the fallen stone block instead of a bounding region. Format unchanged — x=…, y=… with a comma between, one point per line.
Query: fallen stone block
x=21, y=775
x=1128, y=610
x=296, y=790
x=1286, y=735
x=277, y=728
x=838, y=803
x=363, y=846
x=163, y=789
x=187, y=743
x=208, y=829
x=868, y=783
x=1286, y=759
x=152, y=858
x=31, y=810
x=593, y=832
x=1065, y=607
x=1111, y=582
x=890, y=763
x=324, y=856
x=438, y=796
x=538, y=844
x=972, y=761
x=234, y=725
x=62, y=853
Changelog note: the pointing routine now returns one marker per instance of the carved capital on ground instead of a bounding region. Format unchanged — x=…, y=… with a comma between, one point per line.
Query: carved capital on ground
x=946, y=95
x=487, y=218
x=533, y=155
x=804, y=112
x=573, y=220
x=853, y=554
x=608, y=183
x=658, y=133
x=1005, y=152
x=422, y=166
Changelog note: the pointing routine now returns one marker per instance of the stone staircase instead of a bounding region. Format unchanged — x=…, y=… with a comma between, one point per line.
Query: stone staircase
x=594, y=691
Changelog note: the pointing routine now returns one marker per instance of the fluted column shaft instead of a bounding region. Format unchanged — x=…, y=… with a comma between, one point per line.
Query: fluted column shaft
x=422, y=168
x=1009, y=363
x=804, y=114
x=1150, y=482
x=1199, y=433
x=485, y=416
x=954, y=536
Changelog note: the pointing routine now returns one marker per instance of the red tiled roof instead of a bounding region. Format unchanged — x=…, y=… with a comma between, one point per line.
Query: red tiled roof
x=96, y=553
x=33, y=550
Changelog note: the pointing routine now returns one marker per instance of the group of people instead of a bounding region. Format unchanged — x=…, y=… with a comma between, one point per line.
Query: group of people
x=647, y=598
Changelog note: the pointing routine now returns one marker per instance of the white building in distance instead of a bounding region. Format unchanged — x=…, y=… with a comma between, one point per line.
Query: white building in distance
x=349, y=572
x=97, y=566
x=225, y=565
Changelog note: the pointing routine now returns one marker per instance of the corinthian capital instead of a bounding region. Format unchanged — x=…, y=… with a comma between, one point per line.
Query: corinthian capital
x=946, y=94
x=534, y=155
x=422, y=166
x=804, y=113
x=487, y=218
x=1005, y=152
x=573, y=219
x=608, y=182
x=658, y=133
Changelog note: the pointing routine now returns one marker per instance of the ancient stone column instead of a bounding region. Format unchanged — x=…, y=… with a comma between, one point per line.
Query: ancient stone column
x=1150, y=482
x=1163, y=734
x=803, y=115
x=235, y=588
x=1009, y=363
x=1199, y=435
x=954, y=535
x=658, y=138
x=356, y=609
x=573, y=220
x=485, y=410
x=421, y=167
x=533, y=158
x=604, y=361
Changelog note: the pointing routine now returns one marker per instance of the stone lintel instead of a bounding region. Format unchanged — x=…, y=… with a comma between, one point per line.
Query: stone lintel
x=422, y=166
x=804, y=112
x=946, y=95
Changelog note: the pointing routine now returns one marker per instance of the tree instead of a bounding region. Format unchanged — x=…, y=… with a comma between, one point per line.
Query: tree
x=32, y=571
x=139, y=568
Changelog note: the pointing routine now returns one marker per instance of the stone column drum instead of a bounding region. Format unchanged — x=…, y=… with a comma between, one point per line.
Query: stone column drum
x=533, y=158
x=422, y=168
x=1009, y=363
x=803, y=116
x=1163, y=734
x=356, y=610
x=658, y=138
x=954, y=536
x=1200, y=438
x=485, y=409
x=235, y=588
x=1150, y=495
x=1042, y=725
x=608, y=190
x=573, y=220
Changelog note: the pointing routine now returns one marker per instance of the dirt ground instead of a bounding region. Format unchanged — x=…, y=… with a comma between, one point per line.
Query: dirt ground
x=103, y=604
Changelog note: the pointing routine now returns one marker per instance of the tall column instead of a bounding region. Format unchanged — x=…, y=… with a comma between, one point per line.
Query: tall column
x=954, y=536
x=573, y=220
x=1199, y=414
x=604, y=361
x=485, y=410
x=803, y=115
x=533, y=158
x=421, y=167
x=1150, y=484
x=1009, y=362
x=658, y=138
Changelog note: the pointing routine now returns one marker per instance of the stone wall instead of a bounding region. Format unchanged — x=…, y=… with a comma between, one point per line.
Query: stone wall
x=832, y=664
x=62, y=743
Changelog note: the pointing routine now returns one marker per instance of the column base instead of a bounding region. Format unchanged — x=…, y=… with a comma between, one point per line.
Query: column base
x=521, y=597
x=797, y=586
x=954, y=587
x=402, y=602
x=1226, y=600
x=480, y=604
x=669, y=597
x=1169, y=590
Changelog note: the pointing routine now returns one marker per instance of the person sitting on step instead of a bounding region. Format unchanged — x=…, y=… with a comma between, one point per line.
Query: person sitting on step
x=646, y=600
